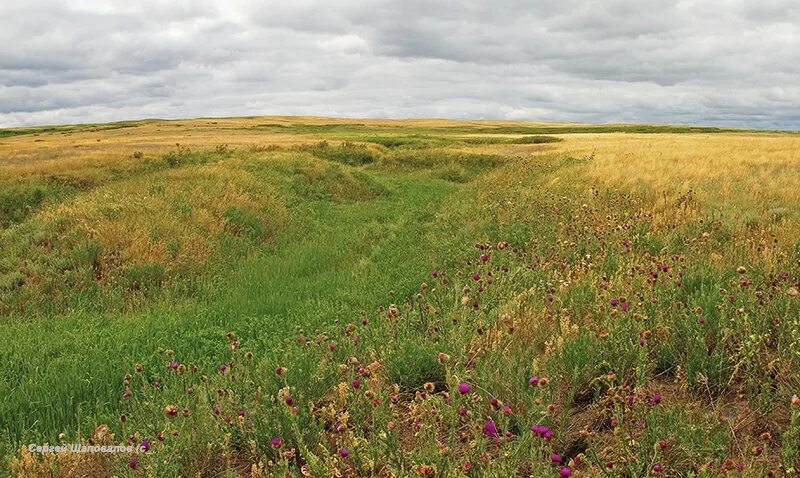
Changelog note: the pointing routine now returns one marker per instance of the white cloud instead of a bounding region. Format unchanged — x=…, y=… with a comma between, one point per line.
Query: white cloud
x=725, y=62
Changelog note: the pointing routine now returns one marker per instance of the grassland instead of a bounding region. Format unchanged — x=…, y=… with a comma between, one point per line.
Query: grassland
x=323, y=297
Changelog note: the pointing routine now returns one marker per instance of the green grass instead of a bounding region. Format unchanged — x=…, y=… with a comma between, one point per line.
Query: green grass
x=338, y=259
x=370, y=273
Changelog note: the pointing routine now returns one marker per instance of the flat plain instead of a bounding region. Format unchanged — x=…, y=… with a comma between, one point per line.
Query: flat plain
x=301, y=296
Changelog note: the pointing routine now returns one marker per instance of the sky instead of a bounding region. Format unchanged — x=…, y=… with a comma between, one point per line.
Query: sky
x=710, y=62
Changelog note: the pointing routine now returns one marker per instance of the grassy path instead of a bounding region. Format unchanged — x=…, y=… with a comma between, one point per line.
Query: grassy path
x=338, y=259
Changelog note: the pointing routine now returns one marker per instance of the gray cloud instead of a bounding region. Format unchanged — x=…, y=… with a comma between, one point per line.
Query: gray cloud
x=722, y=62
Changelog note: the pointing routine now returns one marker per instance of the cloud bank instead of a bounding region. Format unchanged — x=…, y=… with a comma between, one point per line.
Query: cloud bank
x=716, y=62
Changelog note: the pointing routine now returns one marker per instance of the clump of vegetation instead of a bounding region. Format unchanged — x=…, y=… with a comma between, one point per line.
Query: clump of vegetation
x=347, y=153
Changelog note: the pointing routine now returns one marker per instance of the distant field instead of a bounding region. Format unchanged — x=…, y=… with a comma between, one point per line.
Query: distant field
x=298, y=296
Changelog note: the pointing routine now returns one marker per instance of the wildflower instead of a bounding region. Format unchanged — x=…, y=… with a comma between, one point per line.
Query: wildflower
x=624, y=307
x=490, y=429
x=133, y=464
x=174, y=365
x=542, y=431
x=466, y=466
x=657, y=468
x=443, y=357
x=276, y=442
x=288, y=400
x=655, y=399
x=662, y=444
x=126, y=393
x=462, y=410
x=556, y=458
x=242, y=413
x=476, y=276
x=506, y=409
x=185, y=412
x=701, y=320
x=156, y=384
x=189, y=390
x=741, y=269
x=464, y=388
x=222, y=367
x=795, y=401
x=332, y=346
x=533, y=381
x=144, y=445
x=435, y=273
x=356, y=383
x=171, y=410
x=614, y=302
x=344, y=452
x=429, y=386
x=565, y=472
x=215, y=410
x=484, y=257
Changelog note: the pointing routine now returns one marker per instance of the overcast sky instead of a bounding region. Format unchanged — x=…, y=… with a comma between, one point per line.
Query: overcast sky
x=718, y=62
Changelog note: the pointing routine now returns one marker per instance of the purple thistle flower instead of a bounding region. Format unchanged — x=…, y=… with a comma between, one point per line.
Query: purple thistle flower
x=435, y=273
x=624, y=307
x=506, y=409
x=242, y=413
x=555, y=458
x=542, y=431
x=701, y=320
x=288, y=400
x=356, y=383
x=484, y=257
x=222, y=367
x=565, y=472
x=464, y=388
x=144, y=445
x=533, y=381
x=476, y=276
x=657, y=468
x=133, y=464
x=126, y=393
x=344, y=452
x=156, y=384
x=216, y=410
x=655, y=399
x=332, y=346
x=174, y=365
x=614, y=302
x=276, y=442
x=490, y=429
